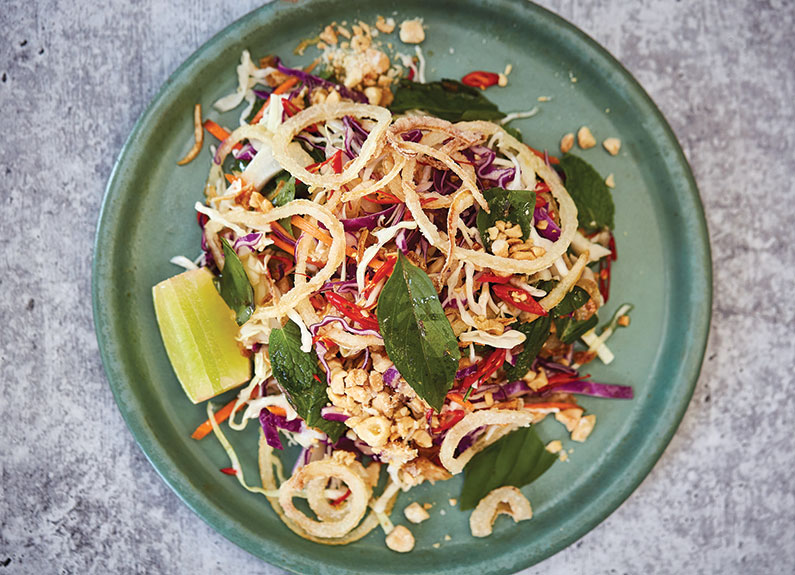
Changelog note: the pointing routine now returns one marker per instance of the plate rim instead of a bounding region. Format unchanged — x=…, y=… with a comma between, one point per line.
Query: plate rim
x=644, y=464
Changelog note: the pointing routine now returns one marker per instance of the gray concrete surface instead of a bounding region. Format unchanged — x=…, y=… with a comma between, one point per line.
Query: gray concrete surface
x=78, y=496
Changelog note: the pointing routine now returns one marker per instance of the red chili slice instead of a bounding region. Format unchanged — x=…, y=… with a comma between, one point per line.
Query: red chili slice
x=486, y=368
x=448, y=419
x=518, y=298
x=485, y=278
x=552, y=159
x=480, y=79
x=352, y=311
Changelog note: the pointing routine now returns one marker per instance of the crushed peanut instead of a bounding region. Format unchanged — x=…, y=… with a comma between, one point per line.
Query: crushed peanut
x=411, y=31
x=567, y=143
x=610, y=181
x=569, y=417
x=415, y=513
x=612, y=145
x=584, y=428
x=400, y=539
x=387, y=26
x=452, y=501
x=585, y=138
x=554, y=446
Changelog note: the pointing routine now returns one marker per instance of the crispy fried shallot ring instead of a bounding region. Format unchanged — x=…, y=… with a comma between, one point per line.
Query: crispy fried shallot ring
x=320, y=113
x=267, y=461
x=506, y=500
x=507, y=419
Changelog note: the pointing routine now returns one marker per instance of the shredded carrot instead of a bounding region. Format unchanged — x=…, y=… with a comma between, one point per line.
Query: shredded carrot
x=276, y=410
x=216, y=130
x=312, y=65
x=281, y=244
x=280, y=89
x=221, y=415
x=286, y=85
x=551, y=405
x=322, y=236
x=459, y=399
x=279, y=228
x=230, y=178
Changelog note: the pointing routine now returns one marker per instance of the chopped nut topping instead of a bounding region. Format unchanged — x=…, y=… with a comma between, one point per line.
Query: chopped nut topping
x=569, y=417
x=612, y=145
x=411, y=31
x=328, y=35
x=500, y=248
x=610, y=181
x=567, y=143
x=584, y=428
x=585, y=138
x=415, y=513
x=400, y=539
x=387, y=26
x=554, y=446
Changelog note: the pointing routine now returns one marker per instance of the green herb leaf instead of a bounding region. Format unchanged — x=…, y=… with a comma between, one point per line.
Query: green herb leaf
x=515, y=132
x=296, y=372
x=570, y=330
x=417, y=335
x=448, y=99
x=573, y=301
x=234, y=287
x=595, y=208
x=515, y=206
x=536, y=333
x=517, y=459
x=287, y=192
x=285, y=195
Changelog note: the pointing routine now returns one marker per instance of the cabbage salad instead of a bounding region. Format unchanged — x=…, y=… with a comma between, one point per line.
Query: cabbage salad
x=394, y=282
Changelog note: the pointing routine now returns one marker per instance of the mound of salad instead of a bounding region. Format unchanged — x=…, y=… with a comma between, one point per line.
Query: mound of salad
x=395, y=282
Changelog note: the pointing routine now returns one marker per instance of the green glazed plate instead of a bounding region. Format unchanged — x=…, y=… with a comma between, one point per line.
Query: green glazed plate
x=663, y=268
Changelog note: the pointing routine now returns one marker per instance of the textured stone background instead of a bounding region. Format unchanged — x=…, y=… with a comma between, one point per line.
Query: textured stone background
x=77, y=494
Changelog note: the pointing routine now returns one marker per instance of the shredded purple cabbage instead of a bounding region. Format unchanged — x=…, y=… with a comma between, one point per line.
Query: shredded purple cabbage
x=248, y=241
x=412, y=136
x=271, y=423
x=311, y=81
x=332, y=414
x=483, y=160
x=369, y=221
x=550, y=365
x=594, y=389
x=355, y=135
x=552, y=231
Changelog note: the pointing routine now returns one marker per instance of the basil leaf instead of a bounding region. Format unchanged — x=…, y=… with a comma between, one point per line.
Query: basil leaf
x=295, y=371
x=515, y=132
x=573, y=301
x=595, y=208
x=517, y=459
x=448, y=99
x=285, y=195
x=515, y=206
x=287, y=192
x=234, y=287
x=417, y=335
x=536, y=333
x=570, y=330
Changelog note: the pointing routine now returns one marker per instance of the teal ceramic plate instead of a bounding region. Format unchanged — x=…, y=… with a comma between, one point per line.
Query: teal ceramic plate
x=663, y=267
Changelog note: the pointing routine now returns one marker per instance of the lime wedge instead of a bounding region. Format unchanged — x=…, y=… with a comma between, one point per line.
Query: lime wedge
x=199, y=330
